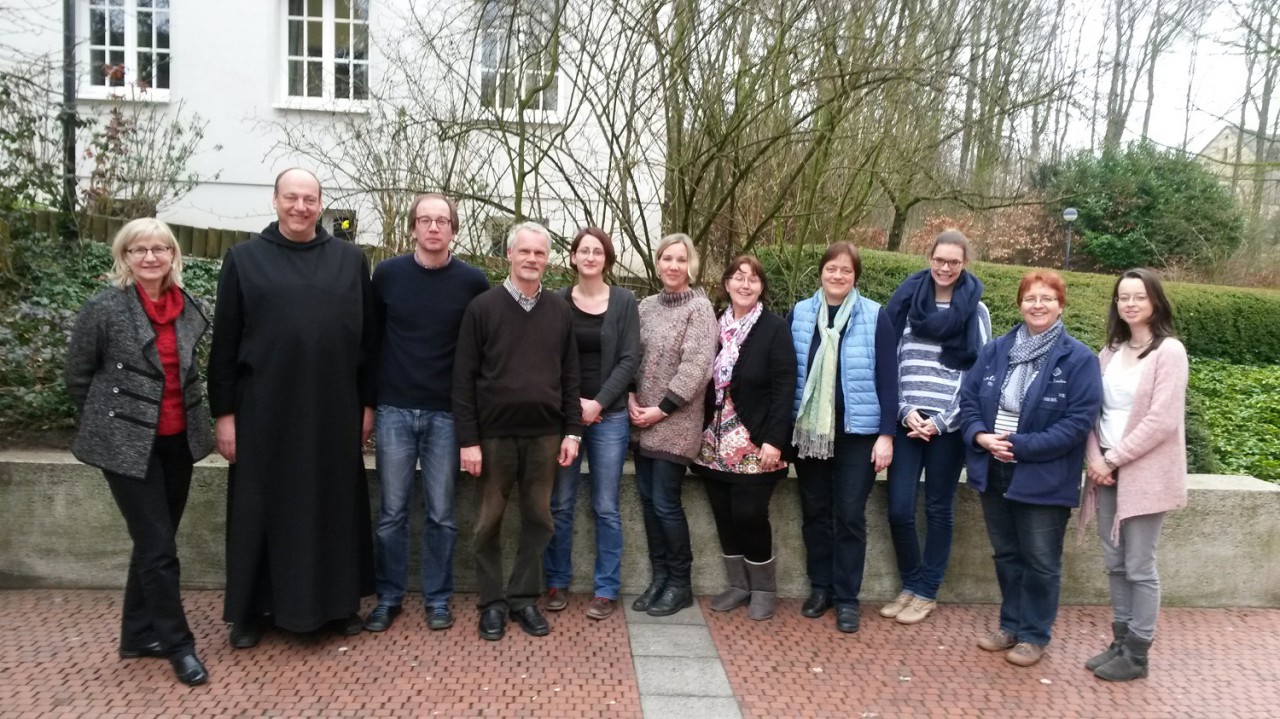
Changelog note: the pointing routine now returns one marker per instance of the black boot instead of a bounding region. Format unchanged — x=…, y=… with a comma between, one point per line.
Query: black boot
x=657, y=582
x=1118, y=630
x=1130, y=663
x=672, y=600
x=817, y=604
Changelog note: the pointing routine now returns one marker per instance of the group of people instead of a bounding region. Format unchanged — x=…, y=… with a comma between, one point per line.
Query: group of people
x=516, y=384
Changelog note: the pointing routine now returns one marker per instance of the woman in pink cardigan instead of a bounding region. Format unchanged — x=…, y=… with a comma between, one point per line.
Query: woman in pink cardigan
x=1137, y=462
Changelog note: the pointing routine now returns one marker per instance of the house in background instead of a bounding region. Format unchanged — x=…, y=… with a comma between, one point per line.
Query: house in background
x=1232, y=155
x=383, y=99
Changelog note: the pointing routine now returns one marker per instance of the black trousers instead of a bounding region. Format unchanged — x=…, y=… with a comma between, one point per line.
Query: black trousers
x=152, y=507
x=741, y=511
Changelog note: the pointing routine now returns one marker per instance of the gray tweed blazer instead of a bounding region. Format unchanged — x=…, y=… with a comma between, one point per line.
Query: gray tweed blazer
x=114, y=376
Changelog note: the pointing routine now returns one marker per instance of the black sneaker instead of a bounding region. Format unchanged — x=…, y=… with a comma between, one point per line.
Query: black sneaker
x=381, y=618
x=439, y=618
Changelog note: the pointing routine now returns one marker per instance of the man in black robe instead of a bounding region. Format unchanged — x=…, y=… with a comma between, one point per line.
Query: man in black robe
x=291, y=385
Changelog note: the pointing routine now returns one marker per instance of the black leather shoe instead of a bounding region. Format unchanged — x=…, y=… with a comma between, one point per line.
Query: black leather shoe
x=146, y=650
x=650, y=594
x=673, y=599
x=439, y=618
x=245, y=635
x=532, y=621
x=493, y=623
x=347, y=626
x=817, y=604
x=381, y=618
x=189, y=670
x=848, y=619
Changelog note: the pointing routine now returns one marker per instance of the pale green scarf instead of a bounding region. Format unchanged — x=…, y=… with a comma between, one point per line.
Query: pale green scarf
x=815, y=433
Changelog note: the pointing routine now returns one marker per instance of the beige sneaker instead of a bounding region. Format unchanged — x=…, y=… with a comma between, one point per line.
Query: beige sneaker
x=997, y=641
x=892, y=609
x=917, y=611
x=1025, y=654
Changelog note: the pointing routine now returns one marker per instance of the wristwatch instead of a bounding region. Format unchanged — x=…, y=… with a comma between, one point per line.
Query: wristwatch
x=1110, y=464
x=574, y=437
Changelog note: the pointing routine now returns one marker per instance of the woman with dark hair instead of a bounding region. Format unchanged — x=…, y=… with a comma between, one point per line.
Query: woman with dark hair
x=678, y=344
x=606, y=322
x=846, y=407
x=1026, y=408
x=1137, y=462
x=942, y=323
x=131, y=369
x=748, y=411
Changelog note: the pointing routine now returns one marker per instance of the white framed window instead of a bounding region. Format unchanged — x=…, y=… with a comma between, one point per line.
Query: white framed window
x=127, y=52
x=326, y=53
x=517, y=57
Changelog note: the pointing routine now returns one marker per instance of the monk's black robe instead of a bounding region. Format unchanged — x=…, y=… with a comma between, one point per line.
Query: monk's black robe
x=292, y=358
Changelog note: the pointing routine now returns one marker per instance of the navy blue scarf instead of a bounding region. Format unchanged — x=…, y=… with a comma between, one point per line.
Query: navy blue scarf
x=956, y=328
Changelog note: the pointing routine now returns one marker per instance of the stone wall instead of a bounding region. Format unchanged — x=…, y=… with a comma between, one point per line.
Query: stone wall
x=60, y=528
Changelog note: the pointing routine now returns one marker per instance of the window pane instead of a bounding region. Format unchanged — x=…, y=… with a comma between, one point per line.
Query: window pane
x=360, y=9
x=115, y=3
x=342, y=39
x=295, y=7
x=115, y=20
x=97, y=59
x=295, y=78
x=295, y=37
x=488, y=87
x=144, y=76
x=315, y=79
x=162, y=70
x=116, y=61
x=315, y=39
x=162, y=30
x=315, y=8
x=162, y=4
x=342, y=80
x=144, y=29
x=342, y=9
x=550, y=96
x=361, y=89
x=506, y=89
x=144, y=3
x=98, y=27
x=360, y=42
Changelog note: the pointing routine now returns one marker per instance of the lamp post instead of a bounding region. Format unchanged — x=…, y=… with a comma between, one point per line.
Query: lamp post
x=1070, y=214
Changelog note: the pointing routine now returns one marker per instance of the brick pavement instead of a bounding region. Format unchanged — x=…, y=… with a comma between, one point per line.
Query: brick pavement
x=1208, y=663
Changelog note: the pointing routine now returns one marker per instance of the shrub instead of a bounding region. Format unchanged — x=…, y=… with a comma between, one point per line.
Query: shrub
x=1239, y=409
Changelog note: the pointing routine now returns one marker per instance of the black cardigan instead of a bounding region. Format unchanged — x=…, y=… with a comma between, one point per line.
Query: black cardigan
x=763, y=384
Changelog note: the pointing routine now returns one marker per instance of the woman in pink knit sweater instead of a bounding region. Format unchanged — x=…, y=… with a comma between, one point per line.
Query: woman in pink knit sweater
x=1137, y=462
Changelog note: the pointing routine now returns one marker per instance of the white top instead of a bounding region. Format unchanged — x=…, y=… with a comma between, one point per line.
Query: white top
x=1118, y=389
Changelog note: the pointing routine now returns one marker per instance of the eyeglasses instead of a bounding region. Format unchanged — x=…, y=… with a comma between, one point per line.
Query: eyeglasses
x=1046, y=300
x=590, y=251
x=1126, y=299
x=441, y=222
x=746, y=279
x=940, y=263
x=160, y=253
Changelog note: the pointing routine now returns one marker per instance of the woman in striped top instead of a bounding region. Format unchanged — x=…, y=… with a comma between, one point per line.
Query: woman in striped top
x=942, y=323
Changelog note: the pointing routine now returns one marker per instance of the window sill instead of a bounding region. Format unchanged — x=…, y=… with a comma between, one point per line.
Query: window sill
x=317, y=104
x=127, y=94
x=507, y=118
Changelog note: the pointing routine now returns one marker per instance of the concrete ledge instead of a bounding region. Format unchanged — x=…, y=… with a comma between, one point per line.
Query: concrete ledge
x=60, y=528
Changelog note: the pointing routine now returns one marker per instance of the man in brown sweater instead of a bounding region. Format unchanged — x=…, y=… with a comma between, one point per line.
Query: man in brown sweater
x=516, y=414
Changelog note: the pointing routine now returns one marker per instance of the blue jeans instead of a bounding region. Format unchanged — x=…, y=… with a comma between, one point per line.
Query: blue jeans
x=407, y=437
x=606, y=444
x=940, y=459
x=666, y=527
x=833, y=503
x=1027, y=542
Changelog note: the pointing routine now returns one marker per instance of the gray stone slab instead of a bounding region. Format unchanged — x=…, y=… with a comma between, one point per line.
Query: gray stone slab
x=701, y=707
x=692, y=615
x=681, y=676
x=671, y=640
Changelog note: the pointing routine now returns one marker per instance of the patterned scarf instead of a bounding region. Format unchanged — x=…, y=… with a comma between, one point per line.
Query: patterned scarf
x=815, y=433
x=1026, y=357
x=732, y=334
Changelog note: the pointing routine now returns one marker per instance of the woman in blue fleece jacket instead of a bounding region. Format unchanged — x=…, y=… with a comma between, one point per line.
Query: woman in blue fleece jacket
x=1026, y=409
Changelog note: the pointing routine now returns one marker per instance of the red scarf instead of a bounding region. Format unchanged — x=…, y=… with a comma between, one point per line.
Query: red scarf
x=163, y=312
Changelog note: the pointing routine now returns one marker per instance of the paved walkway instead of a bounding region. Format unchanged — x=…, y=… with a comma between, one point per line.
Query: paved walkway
x=57, y=659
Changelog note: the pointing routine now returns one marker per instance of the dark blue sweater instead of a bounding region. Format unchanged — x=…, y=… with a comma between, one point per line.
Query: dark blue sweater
x=419, y=315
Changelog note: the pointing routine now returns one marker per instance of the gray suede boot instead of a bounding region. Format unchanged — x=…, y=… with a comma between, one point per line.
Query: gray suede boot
x=763, y=580
x=1119, y=630
x=1130, y=663
x=739, y=591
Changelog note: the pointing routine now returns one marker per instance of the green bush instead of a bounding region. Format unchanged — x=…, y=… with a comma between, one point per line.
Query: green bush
x=1239, y=408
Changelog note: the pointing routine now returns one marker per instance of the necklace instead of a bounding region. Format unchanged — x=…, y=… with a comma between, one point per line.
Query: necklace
x=1132, y=346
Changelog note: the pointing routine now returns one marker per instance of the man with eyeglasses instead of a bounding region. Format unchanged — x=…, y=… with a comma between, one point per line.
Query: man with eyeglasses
x=291, y=385
x=420, y=297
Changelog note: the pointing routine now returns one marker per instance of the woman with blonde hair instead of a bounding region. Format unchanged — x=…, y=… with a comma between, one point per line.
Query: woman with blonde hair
x=132, y=372
x=677, y=346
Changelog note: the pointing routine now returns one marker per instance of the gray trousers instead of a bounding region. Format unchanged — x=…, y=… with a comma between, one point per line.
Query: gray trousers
x=1131, y=565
